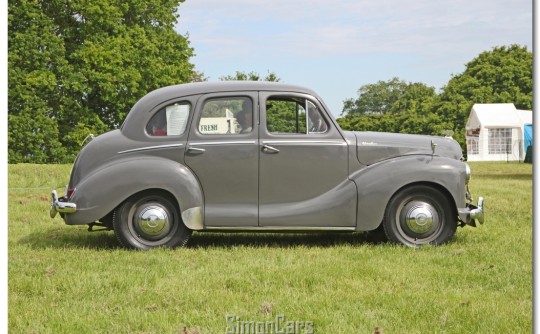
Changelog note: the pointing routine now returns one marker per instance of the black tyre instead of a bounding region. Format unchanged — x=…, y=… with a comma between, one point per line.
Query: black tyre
x=420, y=215
x=149, y=220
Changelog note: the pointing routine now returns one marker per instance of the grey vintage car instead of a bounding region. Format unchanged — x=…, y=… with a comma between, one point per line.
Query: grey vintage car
x=260, y=156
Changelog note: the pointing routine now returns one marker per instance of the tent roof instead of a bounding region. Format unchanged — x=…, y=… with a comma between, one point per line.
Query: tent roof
x=501, y=114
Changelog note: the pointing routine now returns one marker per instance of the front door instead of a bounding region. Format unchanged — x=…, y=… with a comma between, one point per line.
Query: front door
x=303, y=178
x=223, y=152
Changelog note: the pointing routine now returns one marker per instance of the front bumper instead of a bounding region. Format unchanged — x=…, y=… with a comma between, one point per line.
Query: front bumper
x=471, y=214
x=60, y=205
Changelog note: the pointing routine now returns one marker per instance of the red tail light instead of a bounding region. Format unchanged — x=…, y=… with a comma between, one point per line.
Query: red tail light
x=70, y=192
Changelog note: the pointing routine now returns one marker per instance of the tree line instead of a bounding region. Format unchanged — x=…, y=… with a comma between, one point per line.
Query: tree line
x=500, y=75
x=77, y=68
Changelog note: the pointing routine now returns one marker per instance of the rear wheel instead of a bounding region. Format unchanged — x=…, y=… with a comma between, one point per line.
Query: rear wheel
x=149, y=220
x=420, y=215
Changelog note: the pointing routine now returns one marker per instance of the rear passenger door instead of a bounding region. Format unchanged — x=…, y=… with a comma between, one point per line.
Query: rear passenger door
x=223, y=152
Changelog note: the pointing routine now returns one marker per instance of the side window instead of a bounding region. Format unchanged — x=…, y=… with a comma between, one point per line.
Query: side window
x=316, y=121
x=230, y=115
x=169, y=121
x=287, y=115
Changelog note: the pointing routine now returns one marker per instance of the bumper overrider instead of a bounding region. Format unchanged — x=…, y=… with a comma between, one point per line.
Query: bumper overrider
x=472, y=214
x=60, y=205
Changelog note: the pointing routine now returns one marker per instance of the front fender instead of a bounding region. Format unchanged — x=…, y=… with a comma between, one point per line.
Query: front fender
x=377, y=183
x=102, y=191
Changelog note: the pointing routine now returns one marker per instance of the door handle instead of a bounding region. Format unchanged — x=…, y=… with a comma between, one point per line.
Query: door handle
x=269, y=149
x=192, y=149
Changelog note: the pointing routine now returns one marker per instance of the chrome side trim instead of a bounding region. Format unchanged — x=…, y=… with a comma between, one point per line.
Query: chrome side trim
x=328, y=142
x=279, y=228
x=235, y=142
x=148, y=148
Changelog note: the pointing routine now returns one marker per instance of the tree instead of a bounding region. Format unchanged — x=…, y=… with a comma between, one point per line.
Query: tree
x=251, y=76
x=502, y=75
x=87, y=63
x=36, y=65
x=392, y=96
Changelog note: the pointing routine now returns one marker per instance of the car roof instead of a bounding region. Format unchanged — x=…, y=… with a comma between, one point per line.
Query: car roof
x=139, y=112
x=224, y=86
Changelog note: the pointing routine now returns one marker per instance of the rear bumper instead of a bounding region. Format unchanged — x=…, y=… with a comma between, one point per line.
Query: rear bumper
x=60, y=205
x=472, y=214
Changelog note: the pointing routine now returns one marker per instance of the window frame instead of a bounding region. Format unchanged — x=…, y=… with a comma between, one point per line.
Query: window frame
x=499, y=141
x=305, y=103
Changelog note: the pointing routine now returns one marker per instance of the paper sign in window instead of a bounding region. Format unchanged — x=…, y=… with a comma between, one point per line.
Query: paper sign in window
x=177, y=116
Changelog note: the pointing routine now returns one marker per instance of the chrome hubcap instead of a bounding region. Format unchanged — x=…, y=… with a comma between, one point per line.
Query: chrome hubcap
x=152, y=222
x=420, y=218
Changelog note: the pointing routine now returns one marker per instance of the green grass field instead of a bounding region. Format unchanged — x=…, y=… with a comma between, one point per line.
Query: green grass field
x=63, y=279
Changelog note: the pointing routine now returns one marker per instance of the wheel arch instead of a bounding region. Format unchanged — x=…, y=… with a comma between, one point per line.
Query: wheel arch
x=434, y=185
x=103, y=191
x=379, y=183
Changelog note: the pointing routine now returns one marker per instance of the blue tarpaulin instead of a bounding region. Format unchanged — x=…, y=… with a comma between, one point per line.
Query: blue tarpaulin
x=528, y=137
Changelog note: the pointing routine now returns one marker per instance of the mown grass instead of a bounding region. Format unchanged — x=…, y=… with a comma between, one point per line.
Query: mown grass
x=63, y=279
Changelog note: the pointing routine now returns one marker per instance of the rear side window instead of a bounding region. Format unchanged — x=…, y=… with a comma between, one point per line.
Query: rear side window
x=170, y=120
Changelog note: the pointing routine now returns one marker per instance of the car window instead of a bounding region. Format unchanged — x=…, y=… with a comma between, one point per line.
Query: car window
x=316, y=121
x=287, y=115
x=169, y=121
x=230, y=115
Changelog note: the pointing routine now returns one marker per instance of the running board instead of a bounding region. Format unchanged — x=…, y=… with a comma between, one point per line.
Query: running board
x=276, y=229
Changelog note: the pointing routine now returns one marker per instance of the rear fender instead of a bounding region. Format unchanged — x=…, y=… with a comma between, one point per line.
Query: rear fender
x=99, y=193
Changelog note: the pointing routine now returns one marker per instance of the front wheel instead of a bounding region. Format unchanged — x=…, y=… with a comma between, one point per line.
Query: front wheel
x=419, y=215
x=149, y=220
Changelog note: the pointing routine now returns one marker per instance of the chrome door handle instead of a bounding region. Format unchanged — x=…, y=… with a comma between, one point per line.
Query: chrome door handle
x=196, y=149
x=269, y=149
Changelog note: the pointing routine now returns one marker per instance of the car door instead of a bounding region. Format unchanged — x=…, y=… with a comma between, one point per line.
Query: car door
x=303, y=178
x=223, y=152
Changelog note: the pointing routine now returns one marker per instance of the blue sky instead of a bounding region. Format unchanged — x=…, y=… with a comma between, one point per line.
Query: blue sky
x=335, y=47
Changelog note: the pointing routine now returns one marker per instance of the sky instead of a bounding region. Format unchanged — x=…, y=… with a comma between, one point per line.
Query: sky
x=335, y=47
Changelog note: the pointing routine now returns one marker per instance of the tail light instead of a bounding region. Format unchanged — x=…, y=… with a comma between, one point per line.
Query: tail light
x=69, y=192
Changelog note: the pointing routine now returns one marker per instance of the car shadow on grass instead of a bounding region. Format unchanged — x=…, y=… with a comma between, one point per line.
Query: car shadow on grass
x=71, y=237
x=77, y=237
x=283, y=240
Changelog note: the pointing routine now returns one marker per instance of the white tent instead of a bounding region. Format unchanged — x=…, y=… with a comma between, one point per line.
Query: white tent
x=495, y=132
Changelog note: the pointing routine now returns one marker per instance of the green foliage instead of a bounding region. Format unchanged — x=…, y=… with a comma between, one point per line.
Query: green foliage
x=393, y=106
x=405, y=122
x=391, y=96
x=285, y=116
x=78, y=67
x=502, y=75
x=250, y=76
